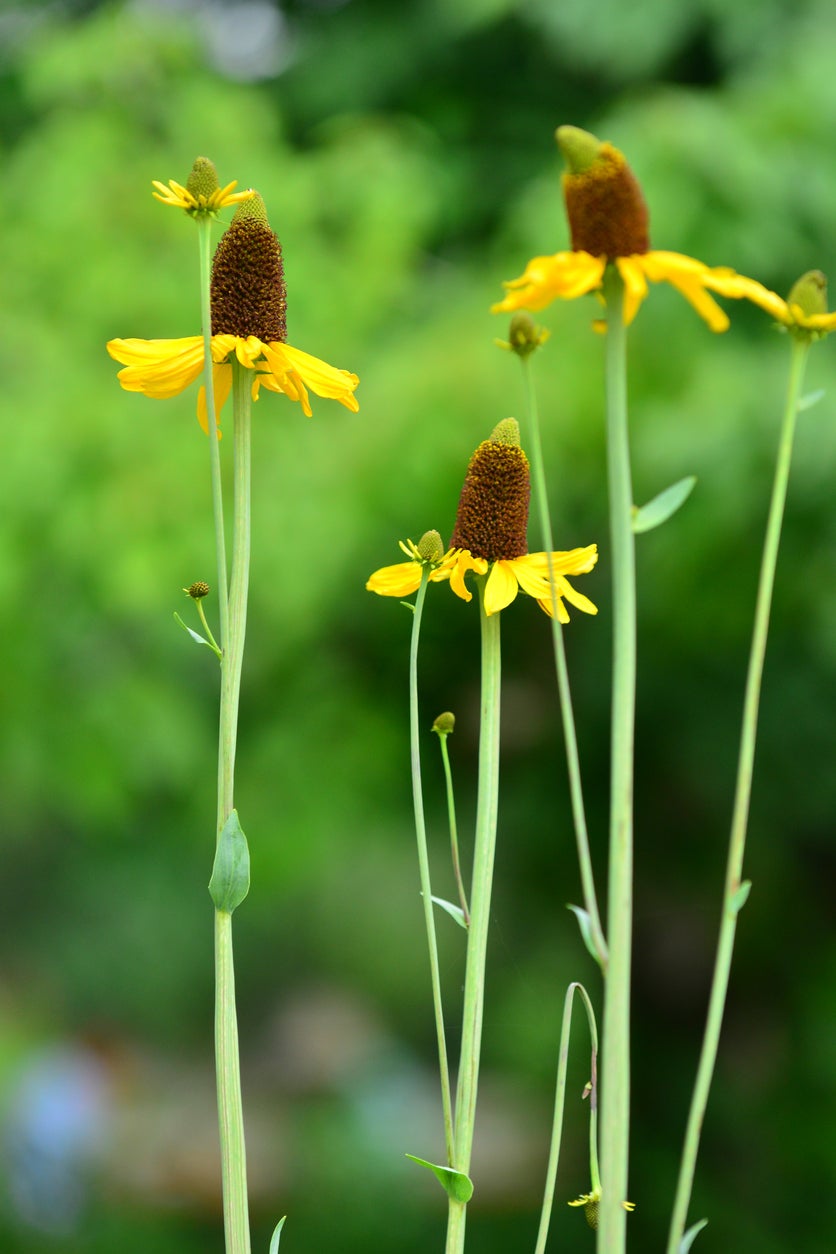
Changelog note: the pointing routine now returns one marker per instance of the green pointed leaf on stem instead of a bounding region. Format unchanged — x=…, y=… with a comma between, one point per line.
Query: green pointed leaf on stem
x=585, y=924
x=456, y=1184
x=738, y=901
x=230, y=880
x=688, y=1239
x=808, y=401
x=454, y=911
x=195, y=635
x=660, y=509
x=276, y=1237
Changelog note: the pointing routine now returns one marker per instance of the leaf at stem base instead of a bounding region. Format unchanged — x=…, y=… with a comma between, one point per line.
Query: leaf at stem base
x=456, y=1184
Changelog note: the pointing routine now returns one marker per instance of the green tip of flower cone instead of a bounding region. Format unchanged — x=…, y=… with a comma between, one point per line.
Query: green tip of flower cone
x=203, y=180
x=431, y=547
x=810, y=293
x=445, y=723
x=506, y=432
x=251, y=210
x=580, y=149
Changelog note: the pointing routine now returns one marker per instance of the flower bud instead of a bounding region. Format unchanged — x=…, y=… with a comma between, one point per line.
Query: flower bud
x=198, y=590
x=809, y=293
x=445, y=724
x=430, y=547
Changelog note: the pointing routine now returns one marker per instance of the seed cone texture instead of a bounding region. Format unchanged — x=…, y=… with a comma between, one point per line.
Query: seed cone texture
x=492, y=517
x=248, y=288
x=604, y=203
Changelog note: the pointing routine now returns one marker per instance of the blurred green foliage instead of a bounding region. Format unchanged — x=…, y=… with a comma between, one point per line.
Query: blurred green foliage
x=406, y=157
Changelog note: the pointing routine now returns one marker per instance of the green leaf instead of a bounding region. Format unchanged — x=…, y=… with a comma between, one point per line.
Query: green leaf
x=456, y=1184
x=230, y=880
x=738, y=901
x=585, y=924
x=808, y=401
x=195, y=635
x=455, y=912
x=661, y=508
x=276, y=1237
x=688, y=1240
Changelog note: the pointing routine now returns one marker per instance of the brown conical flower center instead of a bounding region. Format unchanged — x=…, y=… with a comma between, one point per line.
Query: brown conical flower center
x=492, y=517
x=248, y=287
x=606, y=209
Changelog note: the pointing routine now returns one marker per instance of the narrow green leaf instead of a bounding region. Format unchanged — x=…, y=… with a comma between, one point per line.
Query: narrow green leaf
x=738, y=901
x=585, y=924
x=808, y=401
x=195, y=635
x=455, y=912
x=276, y=1237
x=660, y=509
x=688, y=1240
x=230, y=880
x=456, y=1184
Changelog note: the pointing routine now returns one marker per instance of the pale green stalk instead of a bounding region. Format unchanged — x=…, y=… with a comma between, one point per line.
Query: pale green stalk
x=615, y=1060
x=480, y=904
x=733, y=896
x=559, y=1104
x=541, y=496
x=454, y=835
x=204, y=229
x=230, y=1113
x=424, y=865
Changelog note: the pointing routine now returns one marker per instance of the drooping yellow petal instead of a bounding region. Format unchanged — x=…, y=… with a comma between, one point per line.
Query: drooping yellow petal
x=400, y=580
x=461, y=562
x=158, y=368
x=574, y=597
x=222, y=381
x=635, y=286
x=565, y=276
x=501, y=588
x=563, y=562
x=295, y=370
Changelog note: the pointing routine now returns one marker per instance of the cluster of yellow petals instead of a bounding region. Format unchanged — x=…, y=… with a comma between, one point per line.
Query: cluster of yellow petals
x=164, y=368
x=540, y=575
x=179, y=197
x=567, y=275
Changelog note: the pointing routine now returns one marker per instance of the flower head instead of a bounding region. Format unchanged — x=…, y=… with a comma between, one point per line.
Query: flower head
x=608, y=220
x=203, y=195
x=804, y=313
x=590, y=1201
x=489, y=538
x=404, y=578
x=249, y=307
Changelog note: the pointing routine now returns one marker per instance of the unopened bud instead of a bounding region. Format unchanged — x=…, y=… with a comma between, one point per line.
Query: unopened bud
x=444, y=724
x=810, y=293
x=198, y=590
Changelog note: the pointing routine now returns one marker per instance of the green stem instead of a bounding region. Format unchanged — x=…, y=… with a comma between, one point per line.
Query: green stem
x=743, y=792
x=569, y=733
x=615, y=1068
x=454, y=835
x=230, y=1114
x=424, y=866
x=480, y=904
x=204, y=227
x=560, y=1102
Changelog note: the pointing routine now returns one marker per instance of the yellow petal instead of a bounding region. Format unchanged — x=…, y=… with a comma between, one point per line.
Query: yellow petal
x=565, y=275
x=462, y=562
x=635, y=286
x=399, y=580
x=222, y=382
x=295, y=371
x=501, y=588
x=158, y=368
x=567, y=562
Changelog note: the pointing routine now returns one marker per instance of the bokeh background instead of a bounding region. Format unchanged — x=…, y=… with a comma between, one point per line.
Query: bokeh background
x=406, y=155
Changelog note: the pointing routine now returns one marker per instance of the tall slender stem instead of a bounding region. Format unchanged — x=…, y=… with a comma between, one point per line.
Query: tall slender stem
x=569, y=733
x=204, y=226
x=480, y=905
x=424, y=866
x=230, y=1113
x=615, y=1061
x=732, y=897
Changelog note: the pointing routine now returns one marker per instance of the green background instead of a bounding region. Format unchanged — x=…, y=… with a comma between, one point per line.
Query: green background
x=406, y=156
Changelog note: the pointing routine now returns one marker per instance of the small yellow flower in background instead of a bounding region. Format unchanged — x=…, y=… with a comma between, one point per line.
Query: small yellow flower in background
x=589, y=1201
x=490, y=538
x=203, y=194
x=608, y=219
x=404, y=578
x=804, y=313
x=248, y=321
